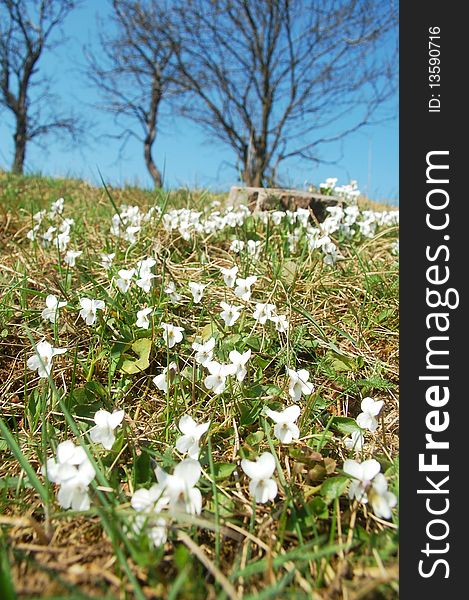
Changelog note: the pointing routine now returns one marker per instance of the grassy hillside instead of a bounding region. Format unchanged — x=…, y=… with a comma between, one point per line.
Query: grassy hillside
x=334, y=315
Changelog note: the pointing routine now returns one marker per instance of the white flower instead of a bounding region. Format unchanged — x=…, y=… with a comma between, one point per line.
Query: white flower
x=142, y=318
x=197, y=290
x=149, y=504
x=189, y=442
x=161, y=380
x=204, y=351
x=125, y=279
x=229, y=276
x=71, y=256
x=171, y=334
x=56, y=208
x=51, y=311
x=68, y=457
x=299, y=384
x=42, y=359
x=74, y=472
x=370, y=410
x=260, y=471
x=370, y=485
x=144, y=273
x=285, y=428
x=39, y=216
x=237, y=246
x=363, y=473
x=32, y=233
x=263, y=312
x=277, y=216
x=89, y=309
x=239, y=361
x=281, y=323
x=62, y=241
x=230, y=313
x=356, y=441
x=103, y=431
x=106, y=260
x=216, y=381
x=130, y=234
x=180, y=488
x=380, y=499
x=171, y=291
x=253, y=247
x=243, y=287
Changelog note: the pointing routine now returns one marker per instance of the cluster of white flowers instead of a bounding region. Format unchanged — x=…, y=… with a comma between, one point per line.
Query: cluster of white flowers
x=51, y=228
x=369, y=485
x=72, y=469
x=174, y=493
x=189, y=222
x=366, y=420
x=219, y=372
x=73, y=472
x=348, y=192
x=141, y=275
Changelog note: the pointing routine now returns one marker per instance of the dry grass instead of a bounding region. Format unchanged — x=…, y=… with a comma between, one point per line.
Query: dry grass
x=344, y=330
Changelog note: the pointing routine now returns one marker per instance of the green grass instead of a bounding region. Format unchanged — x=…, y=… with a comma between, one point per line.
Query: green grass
x=311, y=542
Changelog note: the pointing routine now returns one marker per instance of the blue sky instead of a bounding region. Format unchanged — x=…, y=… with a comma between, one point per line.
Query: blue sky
x=182, y=150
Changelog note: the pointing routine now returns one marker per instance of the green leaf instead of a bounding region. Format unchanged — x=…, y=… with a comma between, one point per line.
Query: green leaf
x=288, y=272
x=223, y=470
x=254, y=439
x=142, y=348
x=341, y=363
x=6, y=580
x=333, y=488
x=345, y=425
x=208, y=331
x=254, y=343
x=142, y=469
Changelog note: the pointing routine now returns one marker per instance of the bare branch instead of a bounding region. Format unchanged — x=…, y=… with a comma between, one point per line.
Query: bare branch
x=25, y=33
x=134, y=70
x=273, y=79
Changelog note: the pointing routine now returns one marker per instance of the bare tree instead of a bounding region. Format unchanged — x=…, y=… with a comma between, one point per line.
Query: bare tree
x=133, y=71
x=26, y=30
x=273, y=78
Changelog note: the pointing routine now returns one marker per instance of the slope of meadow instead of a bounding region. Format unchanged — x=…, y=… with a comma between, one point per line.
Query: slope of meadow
x=317, y=327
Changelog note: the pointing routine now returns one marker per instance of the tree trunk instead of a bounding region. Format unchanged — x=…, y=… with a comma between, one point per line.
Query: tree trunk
x=152, y=168
x=20, y=139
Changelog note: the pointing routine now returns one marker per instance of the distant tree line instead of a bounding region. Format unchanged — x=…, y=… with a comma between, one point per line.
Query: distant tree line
x=270, y=79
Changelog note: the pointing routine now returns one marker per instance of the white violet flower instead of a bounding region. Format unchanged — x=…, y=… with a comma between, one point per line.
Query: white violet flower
x=285, y=428
x=229, y=276
x=51, y=311
x=166, y=376
x=299, y=384
x=239, y=361
x=103, y=431
x=216, y=381
x=171, y=334
x=260, y=471
x=370, y=410
x=356, y=441
x=42, y=359
x=142, y=318
x=192, y=432
x=243, y=287
x=197, y=290
x=204, y=352
x=230, y=313
x=89, y=308
x=180, y=488
x=71, y=256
